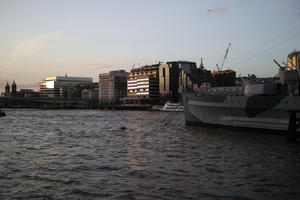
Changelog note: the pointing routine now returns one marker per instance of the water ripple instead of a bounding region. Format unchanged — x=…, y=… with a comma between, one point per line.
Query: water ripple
x=86, y=154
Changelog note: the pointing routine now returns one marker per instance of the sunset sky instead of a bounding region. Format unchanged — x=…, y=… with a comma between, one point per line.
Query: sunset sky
x=88, y=37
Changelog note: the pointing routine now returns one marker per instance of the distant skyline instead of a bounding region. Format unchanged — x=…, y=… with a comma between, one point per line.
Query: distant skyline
x=85, y=38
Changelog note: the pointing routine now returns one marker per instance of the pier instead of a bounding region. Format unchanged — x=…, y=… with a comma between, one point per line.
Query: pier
x=47, y=102
x=294, y=124
x=65, y=103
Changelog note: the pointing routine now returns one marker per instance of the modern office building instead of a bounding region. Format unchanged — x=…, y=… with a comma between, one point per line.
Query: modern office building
x=170, y=79
x=180, y=76
x=112, y=86
x=191, y=77
x=63, y=86
x=143, y=85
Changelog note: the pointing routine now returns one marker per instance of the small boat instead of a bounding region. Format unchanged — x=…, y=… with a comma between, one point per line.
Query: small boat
x=172, y=107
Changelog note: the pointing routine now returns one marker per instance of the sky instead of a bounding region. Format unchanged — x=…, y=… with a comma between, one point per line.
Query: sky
x=88, y=37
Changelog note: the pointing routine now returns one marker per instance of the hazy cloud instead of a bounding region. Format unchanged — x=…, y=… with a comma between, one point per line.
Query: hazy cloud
x=217, y=10
x=96, y=66
x=31, y=46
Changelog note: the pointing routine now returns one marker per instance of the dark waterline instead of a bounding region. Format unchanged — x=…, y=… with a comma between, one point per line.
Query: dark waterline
x=86, y=154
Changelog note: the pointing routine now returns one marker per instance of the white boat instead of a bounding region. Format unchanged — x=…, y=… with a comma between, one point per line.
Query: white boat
x=172, y=107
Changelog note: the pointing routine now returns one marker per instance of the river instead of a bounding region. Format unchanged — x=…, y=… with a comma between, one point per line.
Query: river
x=98, y=154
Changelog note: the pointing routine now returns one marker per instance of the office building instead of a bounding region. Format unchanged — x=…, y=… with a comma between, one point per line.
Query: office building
x=169, y=79
x=180, y=76
x=143, y=86
x=112, y=86
x=63, y=86
x=223, y=78
x=90, y=93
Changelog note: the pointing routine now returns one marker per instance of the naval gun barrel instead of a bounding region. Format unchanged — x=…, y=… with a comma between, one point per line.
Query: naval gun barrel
x=277, y=64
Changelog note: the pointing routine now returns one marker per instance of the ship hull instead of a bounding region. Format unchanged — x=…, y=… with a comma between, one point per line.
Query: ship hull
x=255, y=112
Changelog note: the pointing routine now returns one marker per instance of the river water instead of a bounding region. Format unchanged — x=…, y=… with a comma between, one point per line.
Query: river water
x=96, y=154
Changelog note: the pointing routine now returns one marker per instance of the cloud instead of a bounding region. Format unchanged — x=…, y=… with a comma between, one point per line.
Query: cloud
x=31, y=46
x=96, y=67
x=217, y=10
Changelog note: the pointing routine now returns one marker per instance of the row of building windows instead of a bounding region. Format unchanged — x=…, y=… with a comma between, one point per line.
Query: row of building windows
x=147, y=89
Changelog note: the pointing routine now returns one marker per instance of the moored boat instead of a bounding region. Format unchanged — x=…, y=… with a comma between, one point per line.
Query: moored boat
x=172, y=107
x=263, y=112
x=260, y=106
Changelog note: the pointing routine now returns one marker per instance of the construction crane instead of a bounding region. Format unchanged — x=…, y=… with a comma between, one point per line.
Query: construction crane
x=225, y=56
x=132, y=67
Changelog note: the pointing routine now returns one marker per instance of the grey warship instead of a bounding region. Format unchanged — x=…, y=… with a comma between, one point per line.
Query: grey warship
x=252, y=105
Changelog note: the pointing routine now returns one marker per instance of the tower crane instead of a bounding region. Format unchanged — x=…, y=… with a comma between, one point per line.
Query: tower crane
x=132, y=66
x=225, y=56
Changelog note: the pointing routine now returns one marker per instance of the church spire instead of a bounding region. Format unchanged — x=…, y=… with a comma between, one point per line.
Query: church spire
x=7, y=89
x=14, y=88
x=201, y=64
